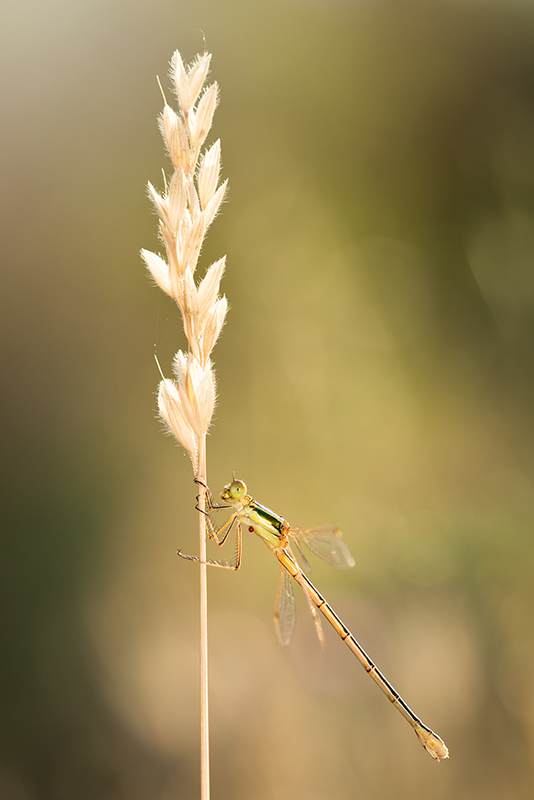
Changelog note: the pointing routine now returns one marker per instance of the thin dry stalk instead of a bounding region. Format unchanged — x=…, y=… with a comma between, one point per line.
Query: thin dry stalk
x=186, y=209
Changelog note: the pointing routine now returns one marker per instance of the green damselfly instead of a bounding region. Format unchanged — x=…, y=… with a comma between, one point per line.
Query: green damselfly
x=328, y=544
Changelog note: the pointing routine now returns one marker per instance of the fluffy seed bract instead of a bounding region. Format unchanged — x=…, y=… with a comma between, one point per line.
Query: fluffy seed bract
x=186, y=208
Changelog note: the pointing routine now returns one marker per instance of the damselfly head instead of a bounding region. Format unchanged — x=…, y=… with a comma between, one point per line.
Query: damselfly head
x=234, y=491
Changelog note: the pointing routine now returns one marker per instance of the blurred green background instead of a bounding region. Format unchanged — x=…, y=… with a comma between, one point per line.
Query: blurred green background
x=376, y=372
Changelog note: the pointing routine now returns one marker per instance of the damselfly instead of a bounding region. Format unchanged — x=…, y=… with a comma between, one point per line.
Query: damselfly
x=328, y=544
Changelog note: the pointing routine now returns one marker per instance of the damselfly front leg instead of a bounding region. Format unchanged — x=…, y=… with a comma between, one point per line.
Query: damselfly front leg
x=208, y=499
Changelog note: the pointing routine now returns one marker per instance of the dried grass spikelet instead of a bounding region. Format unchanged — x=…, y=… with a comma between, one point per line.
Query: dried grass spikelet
x=186, y=209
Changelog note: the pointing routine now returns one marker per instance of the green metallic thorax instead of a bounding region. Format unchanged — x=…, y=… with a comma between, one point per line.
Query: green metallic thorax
x=265, y=523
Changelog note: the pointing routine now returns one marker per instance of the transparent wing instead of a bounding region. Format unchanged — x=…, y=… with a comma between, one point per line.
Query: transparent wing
x=316, y=619
x=284, y=609
x=327, y=543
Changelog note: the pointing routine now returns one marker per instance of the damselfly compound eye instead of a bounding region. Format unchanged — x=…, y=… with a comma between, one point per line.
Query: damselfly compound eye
x=237, y=489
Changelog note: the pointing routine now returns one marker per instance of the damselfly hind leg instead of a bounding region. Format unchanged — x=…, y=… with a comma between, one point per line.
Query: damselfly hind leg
x=220, y=541
x=216, y=534
x=211, y=562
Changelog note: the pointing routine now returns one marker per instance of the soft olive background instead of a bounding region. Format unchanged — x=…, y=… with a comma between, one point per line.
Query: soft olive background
x=376, y=372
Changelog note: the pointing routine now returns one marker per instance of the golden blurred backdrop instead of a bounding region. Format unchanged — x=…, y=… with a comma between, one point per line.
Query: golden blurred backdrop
x=376, y=372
